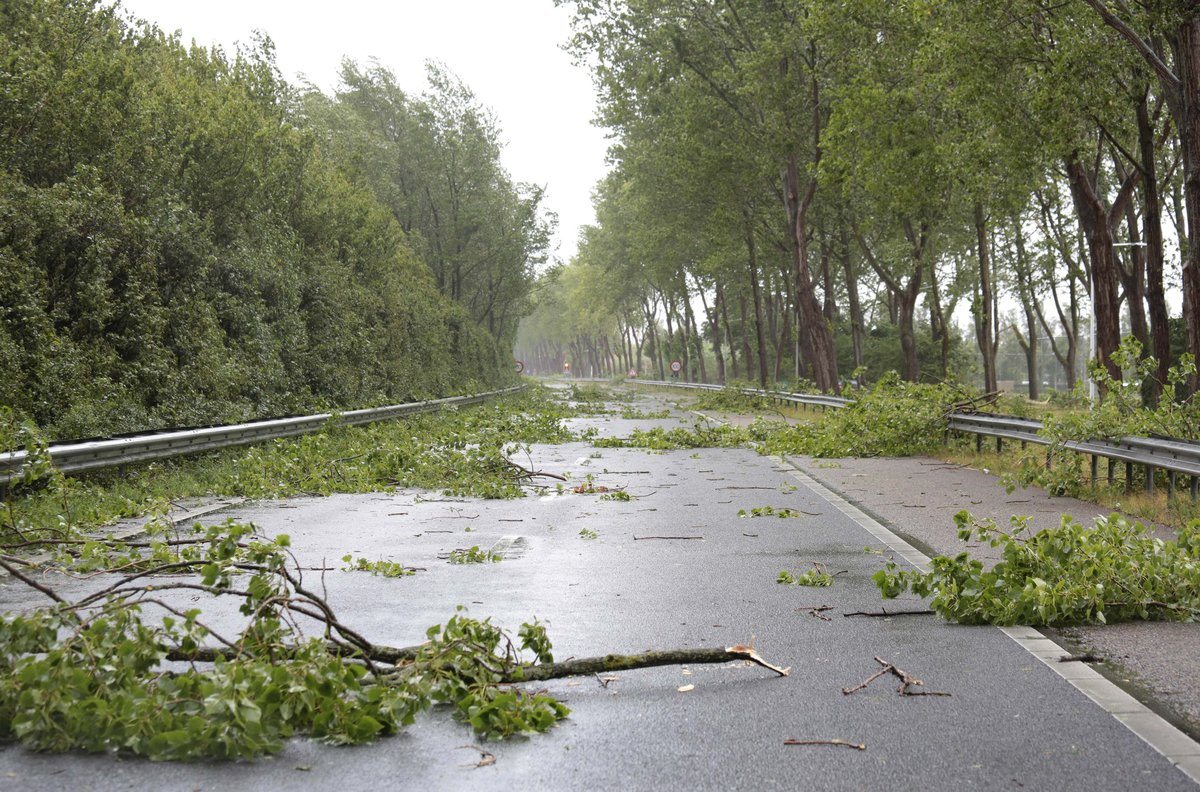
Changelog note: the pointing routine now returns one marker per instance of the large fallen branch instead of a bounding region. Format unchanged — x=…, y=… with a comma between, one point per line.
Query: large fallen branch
x=582, y=666
x=616, y=662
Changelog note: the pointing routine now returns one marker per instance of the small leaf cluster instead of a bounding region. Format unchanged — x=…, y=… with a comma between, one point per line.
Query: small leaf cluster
x=769, y=511
x=816, y=577
x=473, y=555
x=660, y=439
x=1111, y=571
x=379, y=567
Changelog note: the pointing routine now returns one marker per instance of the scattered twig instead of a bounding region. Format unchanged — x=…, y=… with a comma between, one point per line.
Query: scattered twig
x=816, y=610
x=640, y=538
x=834, y=741
x=907, y=681
x=883, y=612
x=521, y=472
x=485, y=757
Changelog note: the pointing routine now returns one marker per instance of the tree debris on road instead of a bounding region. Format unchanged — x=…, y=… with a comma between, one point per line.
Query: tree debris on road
x=907, y=681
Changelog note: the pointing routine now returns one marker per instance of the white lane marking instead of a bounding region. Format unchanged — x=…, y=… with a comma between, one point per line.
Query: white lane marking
x=1177, y=747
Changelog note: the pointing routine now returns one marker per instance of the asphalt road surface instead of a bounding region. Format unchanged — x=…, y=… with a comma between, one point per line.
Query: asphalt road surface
x=1009, y=722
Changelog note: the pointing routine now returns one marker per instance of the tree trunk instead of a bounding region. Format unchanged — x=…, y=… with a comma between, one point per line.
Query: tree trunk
x=697, y=343
x=857, y=327
x=1187, y=56
x=715, y=327
x=1093, y=220
x=1023, y=271
x=723, y=308
x=747, y=354
x=1160, y=339
x=985, y=311
x=752, y=258
x=816, y=340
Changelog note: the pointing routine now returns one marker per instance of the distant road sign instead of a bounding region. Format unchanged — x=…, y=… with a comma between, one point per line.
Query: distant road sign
x=520, y=366
x=676, y=366
x=631, y=373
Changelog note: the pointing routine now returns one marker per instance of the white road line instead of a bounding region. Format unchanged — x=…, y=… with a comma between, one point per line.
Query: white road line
x=1181, y=750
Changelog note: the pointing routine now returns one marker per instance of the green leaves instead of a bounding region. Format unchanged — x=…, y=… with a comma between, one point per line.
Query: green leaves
x=817, y=577
x=1070, y=574
x=473, y=555
x=769, y=511
x=379, y=567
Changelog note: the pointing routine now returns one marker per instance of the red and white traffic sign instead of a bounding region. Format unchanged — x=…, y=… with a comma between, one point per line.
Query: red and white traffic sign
x=676, y=366
x=631, y=373
x=520, y=366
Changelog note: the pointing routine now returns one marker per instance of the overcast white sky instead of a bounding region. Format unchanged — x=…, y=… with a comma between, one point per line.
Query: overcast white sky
x=507, y=51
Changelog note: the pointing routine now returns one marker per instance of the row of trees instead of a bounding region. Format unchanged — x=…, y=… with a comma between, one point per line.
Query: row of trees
x=813, y=174
x=185, y=237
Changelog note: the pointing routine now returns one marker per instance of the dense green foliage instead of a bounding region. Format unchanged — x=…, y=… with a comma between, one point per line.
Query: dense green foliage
x=890, y=418
x=1070, y=574
x=809, y=188
x=247, y=692
x=185, y=238
x=1120, y=414
x=463, y=452
x=274, y=683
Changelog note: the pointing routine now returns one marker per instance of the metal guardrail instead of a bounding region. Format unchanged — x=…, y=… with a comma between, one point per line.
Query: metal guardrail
x=1176, y=457
x=94, y=454
x=811, y=399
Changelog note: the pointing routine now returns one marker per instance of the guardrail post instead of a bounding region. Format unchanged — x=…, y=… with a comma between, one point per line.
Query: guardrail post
x=1112, y=471
x=1149, y=479
x=1095, y=468
x=1128, y=477
x=1170, y=486
x=1195, y=487
x=978, y=444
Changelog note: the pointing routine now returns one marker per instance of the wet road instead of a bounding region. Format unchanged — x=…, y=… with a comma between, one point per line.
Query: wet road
x=1010, y=720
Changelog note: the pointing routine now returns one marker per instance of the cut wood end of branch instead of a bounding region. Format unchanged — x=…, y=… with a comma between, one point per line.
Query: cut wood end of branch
x=741, y=650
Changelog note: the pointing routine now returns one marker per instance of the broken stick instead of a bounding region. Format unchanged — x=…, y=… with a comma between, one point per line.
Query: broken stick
x=834, y=741
x=907, y=681
x=883, y=612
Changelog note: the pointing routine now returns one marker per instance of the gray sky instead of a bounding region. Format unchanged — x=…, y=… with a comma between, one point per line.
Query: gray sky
x=507, y=51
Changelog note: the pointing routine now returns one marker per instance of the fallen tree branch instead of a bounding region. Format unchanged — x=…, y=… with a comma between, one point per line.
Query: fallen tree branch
x=616, y=662
x=522, y=472
x=584, y=666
